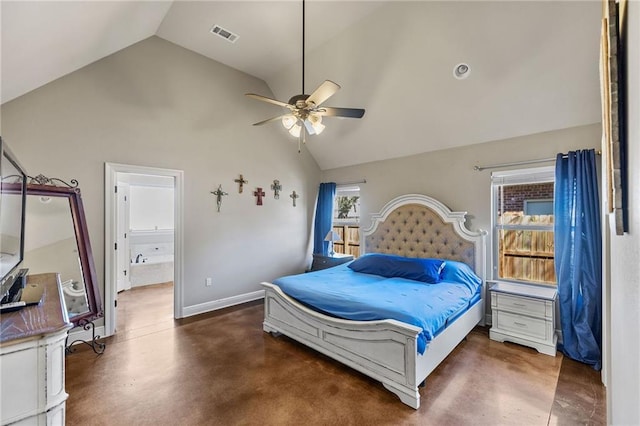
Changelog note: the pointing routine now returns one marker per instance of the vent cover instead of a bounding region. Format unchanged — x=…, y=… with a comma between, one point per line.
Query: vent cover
x=225, y=34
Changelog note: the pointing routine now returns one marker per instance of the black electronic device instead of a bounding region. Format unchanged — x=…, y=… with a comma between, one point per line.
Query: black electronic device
x=13, y=191
x=21, y=277
x=13, y=291
x=15, y=297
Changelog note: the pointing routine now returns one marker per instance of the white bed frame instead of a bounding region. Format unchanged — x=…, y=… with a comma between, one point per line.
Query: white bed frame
x=386, y=350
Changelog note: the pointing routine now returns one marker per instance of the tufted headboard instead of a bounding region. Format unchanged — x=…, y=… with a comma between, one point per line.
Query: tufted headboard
x=416, y=225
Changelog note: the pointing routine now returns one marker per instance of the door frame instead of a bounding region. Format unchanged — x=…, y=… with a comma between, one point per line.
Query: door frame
x=111, y=171
x=122, y=209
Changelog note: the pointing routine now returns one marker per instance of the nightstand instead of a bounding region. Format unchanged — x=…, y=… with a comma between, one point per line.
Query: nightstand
x=324, y=262
x=524, y=314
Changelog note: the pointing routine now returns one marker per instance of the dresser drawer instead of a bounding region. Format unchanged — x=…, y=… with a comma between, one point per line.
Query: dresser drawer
x=521, y=324
x=521, y=304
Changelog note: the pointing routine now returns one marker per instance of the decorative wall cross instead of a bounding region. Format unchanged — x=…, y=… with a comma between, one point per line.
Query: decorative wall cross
x=259, y=193
x=240, y=181
x=294, y=196
x=276, y=187
x=219, y=193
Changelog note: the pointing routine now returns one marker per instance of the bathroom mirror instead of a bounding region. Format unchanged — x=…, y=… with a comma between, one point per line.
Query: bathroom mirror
x=57, y=240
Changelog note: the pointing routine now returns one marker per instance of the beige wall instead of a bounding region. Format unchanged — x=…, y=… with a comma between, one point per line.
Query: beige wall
x=60, y=257
x=623, y=390
x=156, y=104
x=448, y=175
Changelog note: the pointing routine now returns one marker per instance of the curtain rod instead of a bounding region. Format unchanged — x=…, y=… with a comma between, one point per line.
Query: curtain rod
x=520, y=163
x=355, y=182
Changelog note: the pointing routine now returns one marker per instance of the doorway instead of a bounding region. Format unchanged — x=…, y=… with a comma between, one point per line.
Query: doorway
x=143, y=237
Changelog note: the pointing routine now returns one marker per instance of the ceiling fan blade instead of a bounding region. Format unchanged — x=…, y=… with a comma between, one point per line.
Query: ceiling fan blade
x=340, y=112
x=269, y=120
x=323, y=92
x=271, y=101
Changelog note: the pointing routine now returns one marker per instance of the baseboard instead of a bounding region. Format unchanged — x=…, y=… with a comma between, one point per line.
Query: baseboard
x=80, y=333
x=214, y=305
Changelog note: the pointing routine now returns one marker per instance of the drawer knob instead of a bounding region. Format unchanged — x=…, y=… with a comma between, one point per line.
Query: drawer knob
x=520, y=324
x=522, y=305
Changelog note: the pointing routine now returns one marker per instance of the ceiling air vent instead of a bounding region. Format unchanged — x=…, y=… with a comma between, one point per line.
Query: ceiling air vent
x=225, y=34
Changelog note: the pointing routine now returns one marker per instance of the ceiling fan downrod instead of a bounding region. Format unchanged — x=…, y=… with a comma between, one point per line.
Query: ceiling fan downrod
x=303, y=28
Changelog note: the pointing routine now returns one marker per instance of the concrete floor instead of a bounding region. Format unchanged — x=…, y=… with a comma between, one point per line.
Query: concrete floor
x=221, y=368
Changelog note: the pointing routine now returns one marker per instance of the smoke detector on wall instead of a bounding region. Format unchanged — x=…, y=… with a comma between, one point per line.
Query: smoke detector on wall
x=461, y=71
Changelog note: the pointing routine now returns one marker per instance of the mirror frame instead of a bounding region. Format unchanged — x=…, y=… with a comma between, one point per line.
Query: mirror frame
x=94, y=301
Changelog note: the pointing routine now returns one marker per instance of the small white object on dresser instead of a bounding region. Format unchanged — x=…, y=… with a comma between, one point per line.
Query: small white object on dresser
x=524, y=314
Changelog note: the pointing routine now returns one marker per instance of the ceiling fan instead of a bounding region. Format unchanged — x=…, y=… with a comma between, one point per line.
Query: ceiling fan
x=306, y=111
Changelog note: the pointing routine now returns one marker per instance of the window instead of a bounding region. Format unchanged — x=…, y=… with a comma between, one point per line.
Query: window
x=346, y=219
x=522, y=223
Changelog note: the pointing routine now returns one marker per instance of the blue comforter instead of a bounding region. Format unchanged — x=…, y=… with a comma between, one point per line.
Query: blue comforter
x=343, y=293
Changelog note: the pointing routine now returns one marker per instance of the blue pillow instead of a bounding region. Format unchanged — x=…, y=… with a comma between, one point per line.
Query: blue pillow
x=460, y=273
x=389, y=266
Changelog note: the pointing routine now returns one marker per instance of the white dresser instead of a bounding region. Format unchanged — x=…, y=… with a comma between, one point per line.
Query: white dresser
x=524, y=314
x=32, y=356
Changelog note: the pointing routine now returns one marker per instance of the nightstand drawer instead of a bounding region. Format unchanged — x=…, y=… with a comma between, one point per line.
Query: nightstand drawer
x=521, y=304
x=533, y=327
x=324, y=262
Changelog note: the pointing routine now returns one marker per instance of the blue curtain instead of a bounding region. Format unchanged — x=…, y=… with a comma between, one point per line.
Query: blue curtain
x=324, y=217
x=578, y=251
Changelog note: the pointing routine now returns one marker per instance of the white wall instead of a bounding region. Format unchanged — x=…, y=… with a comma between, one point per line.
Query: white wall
x=150, y=201
x=150, y=208
x=157, y=104
x=448, y=175
x=60, y=257
x=623, y=390
x=47, y=222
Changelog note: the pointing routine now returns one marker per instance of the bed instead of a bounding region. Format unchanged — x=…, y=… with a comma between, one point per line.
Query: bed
x=391, y=351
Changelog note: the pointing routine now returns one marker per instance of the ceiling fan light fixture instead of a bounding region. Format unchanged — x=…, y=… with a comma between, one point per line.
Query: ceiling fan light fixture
x=295, y=130
x=309, y=127
x=305, y=111
x=316, y=123
x=288, y=121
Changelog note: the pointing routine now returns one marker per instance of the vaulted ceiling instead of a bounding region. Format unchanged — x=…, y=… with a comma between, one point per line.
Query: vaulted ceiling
x=534, y=65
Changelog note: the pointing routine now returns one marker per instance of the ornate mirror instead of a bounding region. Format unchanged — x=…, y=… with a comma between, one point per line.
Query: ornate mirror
x=57, y=240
